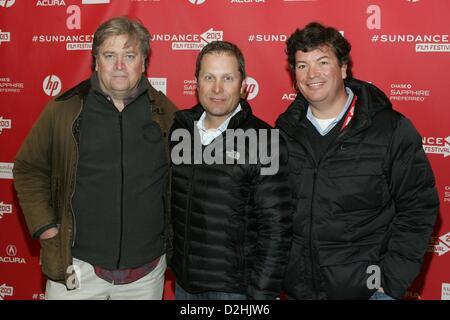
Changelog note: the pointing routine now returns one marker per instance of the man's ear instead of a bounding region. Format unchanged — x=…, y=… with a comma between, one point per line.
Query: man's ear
x=243, y=86
x=243, y=90
x=344, y=71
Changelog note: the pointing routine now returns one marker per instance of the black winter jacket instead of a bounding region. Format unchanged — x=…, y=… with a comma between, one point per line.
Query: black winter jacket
x=368, y=205
x=232, y=226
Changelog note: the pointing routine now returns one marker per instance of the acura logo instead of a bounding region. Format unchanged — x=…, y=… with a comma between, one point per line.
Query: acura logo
x=11, y=250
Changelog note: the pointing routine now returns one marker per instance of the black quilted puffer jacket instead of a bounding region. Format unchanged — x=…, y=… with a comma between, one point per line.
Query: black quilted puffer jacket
x=365, y=210
x=232, y=225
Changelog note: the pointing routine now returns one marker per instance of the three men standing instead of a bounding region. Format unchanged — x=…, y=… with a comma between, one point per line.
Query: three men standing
x=92, y=181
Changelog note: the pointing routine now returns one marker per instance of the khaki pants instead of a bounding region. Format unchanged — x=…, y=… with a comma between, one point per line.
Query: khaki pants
x=92, y=287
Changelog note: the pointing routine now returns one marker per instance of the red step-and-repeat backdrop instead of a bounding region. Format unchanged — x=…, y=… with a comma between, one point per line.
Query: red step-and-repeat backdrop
x=402, y=46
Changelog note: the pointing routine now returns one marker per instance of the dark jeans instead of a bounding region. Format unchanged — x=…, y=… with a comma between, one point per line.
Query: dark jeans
x=181, y=294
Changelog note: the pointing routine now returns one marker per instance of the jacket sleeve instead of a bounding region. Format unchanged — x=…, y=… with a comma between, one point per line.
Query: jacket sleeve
x=273, y=209
x=166, y=125
x=413, y=191
x=32, y=175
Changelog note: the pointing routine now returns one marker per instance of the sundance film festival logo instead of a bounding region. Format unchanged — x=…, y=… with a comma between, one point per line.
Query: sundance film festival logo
x=5, y=208
x=52, y=85
x=6, y=291
x=422, y=42
x=11, y=251
x=407, y=92
x=4, y=124
x=440, y=245
x=436, y=145
x=270, y=37
x=73, y=42
x=6, y=170
x=267, y=37
x=73, y=22
x=190, y=41
x=432, y=47
x=6, y=3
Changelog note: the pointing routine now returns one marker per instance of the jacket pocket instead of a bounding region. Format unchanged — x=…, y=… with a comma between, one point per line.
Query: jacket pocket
x=51, y=258
x=357, y=191
x=348, y=281
x=152, y=133
x=294, y=279
x=345, y=269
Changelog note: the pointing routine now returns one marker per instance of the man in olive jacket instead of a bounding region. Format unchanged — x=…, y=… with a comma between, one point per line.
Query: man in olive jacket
x=92, y=176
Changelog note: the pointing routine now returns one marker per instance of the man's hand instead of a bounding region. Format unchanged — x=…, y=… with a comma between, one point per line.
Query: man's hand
x=50, y=233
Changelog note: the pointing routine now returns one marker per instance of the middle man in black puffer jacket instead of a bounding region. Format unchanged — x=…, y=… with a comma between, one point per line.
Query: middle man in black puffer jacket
x=231, y=209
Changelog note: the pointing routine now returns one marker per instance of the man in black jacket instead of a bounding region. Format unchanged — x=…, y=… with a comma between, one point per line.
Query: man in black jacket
x=230, y=201
x=364, y=191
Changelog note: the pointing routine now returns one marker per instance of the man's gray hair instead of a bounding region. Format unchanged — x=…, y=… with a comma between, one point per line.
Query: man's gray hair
x=118, y=26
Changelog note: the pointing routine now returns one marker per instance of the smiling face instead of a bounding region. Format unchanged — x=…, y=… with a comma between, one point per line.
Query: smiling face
x=220, y=85
x=320, y=78
x=119, y=66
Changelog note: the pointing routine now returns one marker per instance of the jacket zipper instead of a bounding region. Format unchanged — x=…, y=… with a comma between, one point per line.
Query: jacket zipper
x=310, y=151
x=311, y=254
x=315, y=286
x=121, y=191
x=74, y=175
x=331, y=148
x=188, y=218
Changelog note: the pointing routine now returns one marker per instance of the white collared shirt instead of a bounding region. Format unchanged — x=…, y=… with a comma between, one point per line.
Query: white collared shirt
x=323, y=126
x=208, y=135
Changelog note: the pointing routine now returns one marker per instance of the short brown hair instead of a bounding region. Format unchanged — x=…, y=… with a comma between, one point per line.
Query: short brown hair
x=222, y=47
x=313, y=36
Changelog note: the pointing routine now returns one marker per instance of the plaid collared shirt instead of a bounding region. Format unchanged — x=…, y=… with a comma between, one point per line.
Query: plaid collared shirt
x=125, y=276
